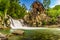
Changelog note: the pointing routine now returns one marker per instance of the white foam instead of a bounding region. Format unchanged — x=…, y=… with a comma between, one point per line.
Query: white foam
x=16, y=24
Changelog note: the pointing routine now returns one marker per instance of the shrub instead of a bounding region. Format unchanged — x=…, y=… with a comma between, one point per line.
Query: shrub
x=44, y=22
x=52, y=20
x=52, y=13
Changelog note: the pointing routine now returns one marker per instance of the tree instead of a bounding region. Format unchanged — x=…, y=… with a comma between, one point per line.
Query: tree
x=57, y=7
x=12, y=8
x=46, y=3
x=4, y=5
x=16, y=10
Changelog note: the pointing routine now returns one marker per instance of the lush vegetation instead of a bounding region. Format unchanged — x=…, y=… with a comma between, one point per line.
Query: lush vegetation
x=42, y=34
x=14, y=9
x=54, y=13
x=46, y=3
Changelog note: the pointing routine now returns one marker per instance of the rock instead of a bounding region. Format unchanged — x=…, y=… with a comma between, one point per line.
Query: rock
x=18, y=32
x=1, y=27
x=3, y=37
x=43, y=16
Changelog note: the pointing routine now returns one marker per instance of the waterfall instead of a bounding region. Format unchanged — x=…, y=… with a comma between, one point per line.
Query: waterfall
x=16, y=24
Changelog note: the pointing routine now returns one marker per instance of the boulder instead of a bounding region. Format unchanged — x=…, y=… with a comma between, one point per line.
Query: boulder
x=1, y=27
x=18, y=32
x=3, y=37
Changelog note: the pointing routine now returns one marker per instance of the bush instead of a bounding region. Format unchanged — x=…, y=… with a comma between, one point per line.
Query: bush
x=52, y=20
x=52, y=13
x=44, y=22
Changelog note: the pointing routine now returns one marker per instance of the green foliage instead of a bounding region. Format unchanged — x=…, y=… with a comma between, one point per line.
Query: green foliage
x=16, y=10
x=57, y=7
x=52, y=20
x=4, y=5
x=44, y=22
x=53, y=13
x=1, y=14
x=46, y=3
x=12, y=8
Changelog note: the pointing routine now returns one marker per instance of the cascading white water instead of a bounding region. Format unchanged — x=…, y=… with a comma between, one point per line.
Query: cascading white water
x=16, y=24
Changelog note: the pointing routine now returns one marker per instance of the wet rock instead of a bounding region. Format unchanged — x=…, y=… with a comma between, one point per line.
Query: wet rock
x=3, y=37
x=18, y=32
